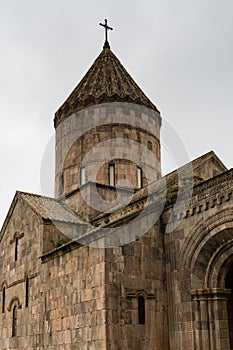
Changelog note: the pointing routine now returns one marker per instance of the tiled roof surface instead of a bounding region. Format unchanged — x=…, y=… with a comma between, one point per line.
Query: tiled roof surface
x=106, y=81
x=49, y=208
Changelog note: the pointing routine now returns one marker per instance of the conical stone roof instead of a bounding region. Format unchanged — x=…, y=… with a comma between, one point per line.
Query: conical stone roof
x=106, y=81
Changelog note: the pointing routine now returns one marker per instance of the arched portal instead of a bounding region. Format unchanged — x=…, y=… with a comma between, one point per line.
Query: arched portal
x=229, y=285
x=207, y=270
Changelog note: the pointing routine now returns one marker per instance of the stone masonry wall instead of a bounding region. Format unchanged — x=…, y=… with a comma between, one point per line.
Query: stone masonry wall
x=200, y=243
x=66, y=295
x=134, y=270
x=81, y=133
x=73, y=300
x=25, y=225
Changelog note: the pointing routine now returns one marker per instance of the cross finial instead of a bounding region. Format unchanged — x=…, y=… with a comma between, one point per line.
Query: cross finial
x=105, y=25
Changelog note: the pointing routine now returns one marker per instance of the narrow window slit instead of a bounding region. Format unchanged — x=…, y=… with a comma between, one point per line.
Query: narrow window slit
x=14, y=321
x=27, y=292
x=141, y=310
x=3, y=299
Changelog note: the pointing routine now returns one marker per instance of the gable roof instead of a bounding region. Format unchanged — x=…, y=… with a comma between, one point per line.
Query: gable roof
x=49, y=208
x=106, y=81
x=46, y=208
x=197, y=163
x=172, y=177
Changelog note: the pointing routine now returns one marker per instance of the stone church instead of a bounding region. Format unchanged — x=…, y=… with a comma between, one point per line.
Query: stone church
x=123, y=257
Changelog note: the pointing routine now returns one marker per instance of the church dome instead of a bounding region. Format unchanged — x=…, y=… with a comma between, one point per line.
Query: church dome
x=106, y=81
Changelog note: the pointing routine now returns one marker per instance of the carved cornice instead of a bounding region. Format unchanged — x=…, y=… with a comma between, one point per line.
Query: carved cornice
x=58, y=251
x=210, y=294
x=207, y=195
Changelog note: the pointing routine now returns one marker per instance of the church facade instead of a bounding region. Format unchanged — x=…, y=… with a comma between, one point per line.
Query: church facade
x=123, y=257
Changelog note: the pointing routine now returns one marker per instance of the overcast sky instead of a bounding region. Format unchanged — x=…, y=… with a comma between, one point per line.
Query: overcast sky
x=180, y=52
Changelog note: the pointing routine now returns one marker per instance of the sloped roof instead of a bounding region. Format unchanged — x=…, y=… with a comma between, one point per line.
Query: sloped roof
x=49, y=208
x=171, y=178
x=106, y=81
x=196, y=163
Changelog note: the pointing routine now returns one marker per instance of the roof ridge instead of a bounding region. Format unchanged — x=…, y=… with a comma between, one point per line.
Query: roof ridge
x=203, y=158
x=36, y=195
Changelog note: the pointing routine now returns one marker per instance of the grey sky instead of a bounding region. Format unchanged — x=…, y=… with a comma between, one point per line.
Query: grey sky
x=180, y=53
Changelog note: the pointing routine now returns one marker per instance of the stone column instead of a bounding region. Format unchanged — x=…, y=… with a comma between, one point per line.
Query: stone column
x=211, y=319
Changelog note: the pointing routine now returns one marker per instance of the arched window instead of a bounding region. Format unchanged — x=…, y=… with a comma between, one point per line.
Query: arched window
x=141, y=310
x=14, y=321
x=3, y=299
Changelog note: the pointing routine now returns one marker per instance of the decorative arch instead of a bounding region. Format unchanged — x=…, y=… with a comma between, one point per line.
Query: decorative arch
x=4, y=284
x=14, y=306
x=140, y=297
x=219, y=266
x=136, y=293
x=205, y=259
x=214, y=232
x=14, y=302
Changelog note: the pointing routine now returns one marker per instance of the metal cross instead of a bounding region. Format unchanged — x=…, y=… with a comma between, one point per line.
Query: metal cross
x=106, y=29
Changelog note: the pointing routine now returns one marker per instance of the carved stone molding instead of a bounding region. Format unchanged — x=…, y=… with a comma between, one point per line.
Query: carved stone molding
x=14, y=301
x=135, y=293
x=210, y=294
